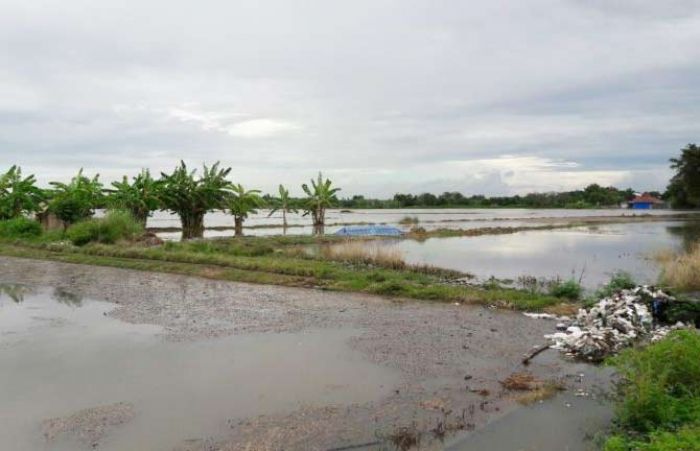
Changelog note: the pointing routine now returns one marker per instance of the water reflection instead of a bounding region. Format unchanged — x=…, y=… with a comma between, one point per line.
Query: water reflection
x=60, y=360
x=65, y=296
x=688, y=232
x=592, y=254
x=14, y=291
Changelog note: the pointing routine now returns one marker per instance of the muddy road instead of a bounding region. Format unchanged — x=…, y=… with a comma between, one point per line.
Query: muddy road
x=400, y=373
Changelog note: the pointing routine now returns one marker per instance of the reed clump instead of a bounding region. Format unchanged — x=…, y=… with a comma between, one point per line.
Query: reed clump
x=681, y=270
x=366, y=253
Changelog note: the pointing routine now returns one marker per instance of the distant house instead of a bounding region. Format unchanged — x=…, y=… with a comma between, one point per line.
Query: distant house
x=645, y=202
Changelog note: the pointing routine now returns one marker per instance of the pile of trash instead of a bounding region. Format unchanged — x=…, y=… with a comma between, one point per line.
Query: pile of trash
x=614, y=323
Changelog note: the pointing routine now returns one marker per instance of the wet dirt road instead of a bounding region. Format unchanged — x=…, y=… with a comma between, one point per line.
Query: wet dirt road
x=439, y=364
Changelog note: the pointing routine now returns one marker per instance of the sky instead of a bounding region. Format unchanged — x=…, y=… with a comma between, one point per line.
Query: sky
x=383, y=96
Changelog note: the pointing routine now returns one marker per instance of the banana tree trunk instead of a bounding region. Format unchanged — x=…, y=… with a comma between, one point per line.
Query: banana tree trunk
x=238, y=226
x=319, y=221
x=192, y=225
x=141, y=217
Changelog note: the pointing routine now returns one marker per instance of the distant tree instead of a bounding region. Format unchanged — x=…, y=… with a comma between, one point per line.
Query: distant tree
x=320, y=196
x=19, y=195
x=684, y=189
x=141, y=197
x=427, y=200
x=283, y=203
x=191, y=197
x=76, y=200
x=241, y=203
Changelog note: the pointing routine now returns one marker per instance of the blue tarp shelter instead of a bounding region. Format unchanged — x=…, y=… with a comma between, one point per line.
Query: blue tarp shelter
x=369, y=231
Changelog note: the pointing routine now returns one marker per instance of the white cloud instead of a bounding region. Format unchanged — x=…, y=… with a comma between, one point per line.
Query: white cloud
x=261, y=128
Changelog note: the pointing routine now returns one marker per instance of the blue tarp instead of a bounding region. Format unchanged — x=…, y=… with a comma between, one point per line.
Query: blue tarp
x=369, y=231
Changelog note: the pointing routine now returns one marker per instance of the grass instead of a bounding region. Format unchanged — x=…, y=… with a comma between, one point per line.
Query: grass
x=115, y=226
x=359, y=252
x=658, y=402
x=531, y=389
x=273, y=260
x=409, y=220
x=620, y=280
x=19, y=228
x=568, y=289
x=681, y=271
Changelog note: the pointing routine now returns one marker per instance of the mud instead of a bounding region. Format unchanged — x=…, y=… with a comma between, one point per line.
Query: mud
x=88, y=426
x=450, y=358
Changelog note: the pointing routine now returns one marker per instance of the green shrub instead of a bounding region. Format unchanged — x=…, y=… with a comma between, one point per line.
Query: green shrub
x=661, y=383
x=685, y=439
x=569, y=289
x=115, y=226
x=19, y=228
x=658, y=404
x=619, y=281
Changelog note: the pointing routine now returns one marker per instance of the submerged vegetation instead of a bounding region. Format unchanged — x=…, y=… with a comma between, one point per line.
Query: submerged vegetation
x=658, y=402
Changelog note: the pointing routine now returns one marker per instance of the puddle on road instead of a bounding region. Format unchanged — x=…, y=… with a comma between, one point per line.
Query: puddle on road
x=61, y=354
x=565, y=423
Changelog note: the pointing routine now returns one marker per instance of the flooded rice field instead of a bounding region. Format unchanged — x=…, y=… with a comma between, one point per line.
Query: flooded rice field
x=109, y=359
x=591, y=254
x=263, y=224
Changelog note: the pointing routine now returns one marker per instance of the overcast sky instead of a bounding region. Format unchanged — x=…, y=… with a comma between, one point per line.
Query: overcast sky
x=480, y=96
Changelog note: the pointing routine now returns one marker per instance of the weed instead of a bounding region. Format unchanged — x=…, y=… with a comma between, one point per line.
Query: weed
x=368, y=253
x=115, y=226
x=620, y=280
x=409, y=220
x=681, y=271
x=569, y=289
x=658, y=403
x=19, y=228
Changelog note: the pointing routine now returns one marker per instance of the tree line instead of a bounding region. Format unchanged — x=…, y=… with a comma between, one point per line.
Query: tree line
x=190, y=195
x=184, y=192
x=591, y=197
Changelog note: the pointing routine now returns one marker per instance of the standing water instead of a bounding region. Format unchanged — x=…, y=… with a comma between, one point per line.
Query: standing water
x=62, y=355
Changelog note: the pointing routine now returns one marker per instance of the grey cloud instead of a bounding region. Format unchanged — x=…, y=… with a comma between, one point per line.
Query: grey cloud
x=383, y=95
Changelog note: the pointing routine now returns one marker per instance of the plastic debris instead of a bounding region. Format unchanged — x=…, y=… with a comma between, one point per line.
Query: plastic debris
x=540, y=315
x=612, y=324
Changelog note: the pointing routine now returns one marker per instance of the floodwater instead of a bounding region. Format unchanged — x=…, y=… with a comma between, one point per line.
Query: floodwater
x=591, y=253
x=574, y=420
x=61, y=354
x=263, y=224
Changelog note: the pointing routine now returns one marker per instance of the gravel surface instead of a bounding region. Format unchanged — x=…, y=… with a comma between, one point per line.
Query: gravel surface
x=450, y=357
x=88, y=426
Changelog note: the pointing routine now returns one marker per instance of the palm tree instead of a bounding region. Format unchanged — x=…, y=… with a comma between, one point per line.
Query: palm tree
x=320, y=197
x=76, y=200
x=192, y=197
x=241, y=203
x=141, y=197
x=283, y=204
x=19, y=196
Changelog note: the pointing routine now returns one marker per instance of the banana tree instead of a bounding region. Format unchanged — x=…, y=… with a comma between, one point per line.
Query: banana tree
x=320, y=197
x=141, y=197
x=241, y=203
x=77, y=200
x=191, y=197
x=283, y=204
x=19, y=195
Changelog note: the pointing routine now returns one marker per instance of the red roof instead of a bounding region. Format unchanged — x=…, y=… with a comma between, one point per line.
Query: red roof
x=646, y=198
